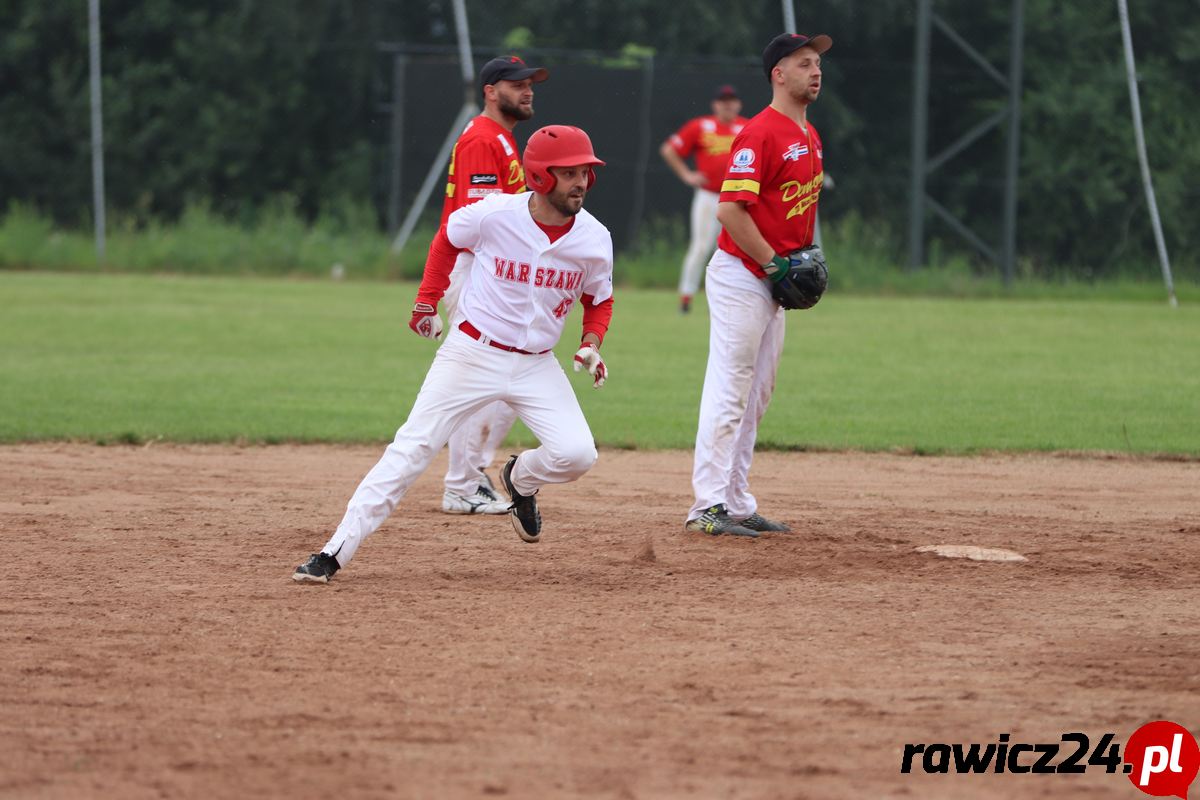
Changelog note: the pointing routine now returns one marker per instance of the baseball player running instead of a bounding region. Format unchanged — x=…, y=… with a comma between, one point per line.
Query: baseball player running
x=484, y=161
x=708, y=139
x=533, y=256
x=767, y=211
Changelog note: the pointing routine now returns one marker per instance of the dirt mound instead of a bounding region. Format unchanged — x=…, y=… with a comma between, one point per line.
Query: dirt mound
x=154, y=644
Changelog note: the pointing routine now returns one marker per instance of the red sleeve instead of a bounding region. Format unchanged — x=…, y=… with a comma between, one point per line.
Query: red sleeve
x=478, y=170
x=596, y=317
x=684, y=140
x=438, y=266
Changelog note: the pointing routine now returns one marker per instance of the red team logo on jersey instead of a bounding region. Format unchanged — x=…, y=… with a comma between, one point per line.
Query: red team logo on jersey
x=545, y=277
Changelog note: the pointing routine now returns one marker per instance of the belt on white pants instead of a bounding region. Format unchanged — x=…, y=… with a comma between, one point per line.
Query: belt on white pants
x=473, y=332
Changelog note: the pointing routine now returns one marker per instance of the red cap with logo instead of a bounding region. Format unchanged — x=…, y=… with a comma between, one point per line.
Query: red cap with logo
x=510, y=68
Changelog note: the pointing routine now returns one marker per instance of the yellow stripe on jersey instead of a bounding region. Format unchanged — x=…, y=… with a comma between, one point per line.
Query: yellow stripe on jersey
x=450, y=189
x=744, y=185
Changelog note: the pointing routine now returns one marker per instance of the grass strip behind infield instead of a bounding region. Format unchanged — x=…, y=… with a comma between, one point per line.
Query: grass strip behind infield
x=135, y=358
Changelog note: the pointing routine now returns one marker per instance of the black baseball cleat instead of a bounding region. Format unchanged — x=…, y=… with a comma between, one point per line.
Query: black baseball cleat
x=715, y=522
x=757, y=522
x=318, y=569
x=526, y=519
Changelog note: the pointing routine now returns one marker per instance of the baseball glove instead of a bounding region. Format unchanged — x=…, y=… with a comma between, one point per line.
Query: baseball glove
x=799, y=279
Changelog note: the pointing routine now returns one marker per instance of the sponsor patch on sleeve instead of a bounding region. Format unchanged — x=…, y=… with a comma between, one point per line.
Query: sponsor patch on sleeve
x=475, y=192
x=742, y=161
x=490, y=179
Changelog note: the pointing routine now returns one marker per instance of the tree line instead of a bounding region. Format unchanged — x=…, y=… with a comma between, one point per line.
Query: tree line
x=233, y=103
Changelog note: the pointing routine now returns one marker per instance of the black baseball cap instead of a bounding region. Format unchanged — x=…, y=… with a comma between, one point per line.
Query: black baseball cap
x=510, y=68
x=787, y=43
x=725, y=92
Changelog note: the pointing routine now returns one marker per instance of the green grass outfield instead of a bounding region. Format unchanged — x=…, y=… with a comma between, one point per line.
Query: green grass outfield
x=133, y=358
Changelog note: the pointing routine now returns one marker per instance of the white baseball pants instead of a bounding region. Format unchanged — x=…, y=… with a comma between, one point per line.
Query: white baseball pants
x=472, y=445
x=466, y=376
x=704, y=231
x=745, y=341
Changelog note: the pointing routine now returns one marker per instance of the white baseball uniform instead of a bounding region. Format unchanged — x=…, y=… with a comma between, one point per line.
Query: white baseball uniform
x=484, y=162
x=745, y=343
x=472, y=446
x=704, y=230
x=776, y=171
x=512, y=310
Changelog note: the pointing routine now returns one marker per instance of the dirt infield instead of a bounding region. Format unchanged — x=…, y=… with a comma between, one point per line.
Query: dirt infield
x=155, y=646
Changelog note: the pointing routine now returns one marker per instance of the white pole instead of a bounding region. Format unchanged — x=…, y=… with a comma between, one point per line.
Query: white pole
x=431, y=178
x=789, y=26
x=468, y=110
x=1140, y=137
x=97, y=127
x=464, y=45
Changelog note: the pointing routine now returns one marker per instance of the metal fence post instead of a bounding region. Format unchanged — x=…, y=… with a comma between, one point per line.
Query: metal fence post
x=97, y=127
x=789, y=17
x=396, y=154
x=920, y=135
x=1012, y=172
x=1135, y=108
x=638, y=203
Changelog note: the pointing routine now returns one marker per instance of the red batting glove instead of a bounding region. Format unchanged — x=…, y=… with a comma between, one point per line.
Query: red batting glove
x=425, y=321
x=588, y=357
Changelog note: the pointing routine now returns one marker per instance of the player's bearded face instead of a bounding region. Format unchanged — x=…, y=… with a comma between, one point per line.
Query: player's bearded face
x=569, y=189
x=802, y=74
x=515, y=98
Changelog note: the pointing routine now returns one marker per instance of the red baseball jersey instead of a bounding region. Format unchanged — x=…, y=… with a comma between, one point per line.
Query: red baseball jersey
x=776, y=169
x=485, y=161
x=709, y=140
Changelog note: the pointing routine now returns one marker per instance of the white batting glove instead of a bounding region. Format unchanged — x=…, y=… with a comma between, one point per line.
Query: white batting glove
x=588, y=357
x=425, y=321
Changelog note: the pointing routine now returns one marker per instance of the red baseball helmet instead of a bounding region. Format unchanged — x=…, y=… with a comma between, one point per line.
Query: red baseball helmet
x=557, y=146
